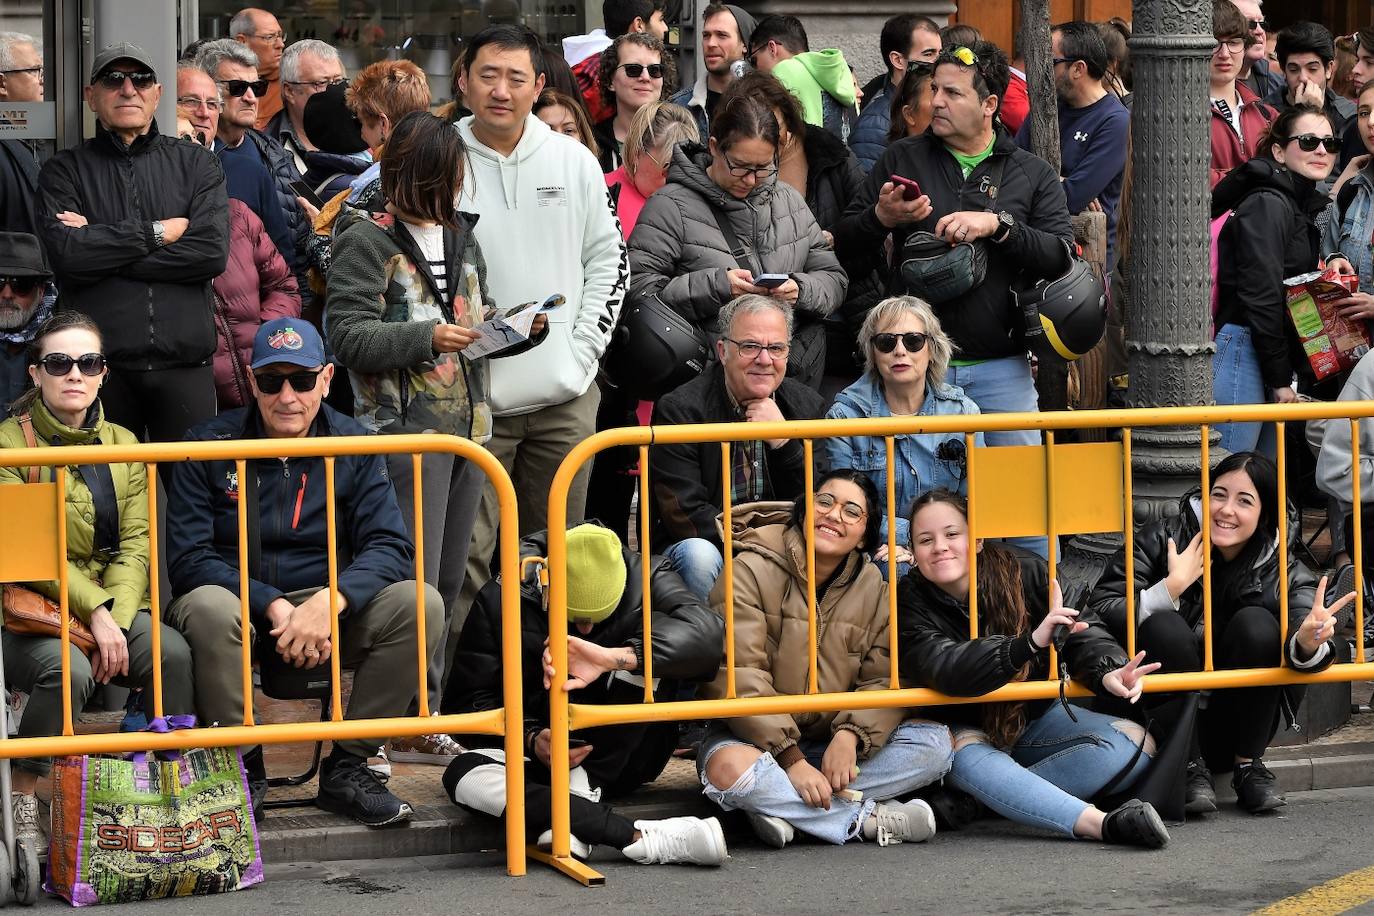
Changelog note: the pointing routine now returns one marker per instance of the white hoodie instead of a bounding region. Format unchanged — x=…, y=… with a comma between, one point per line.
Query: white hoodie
x=547, y=226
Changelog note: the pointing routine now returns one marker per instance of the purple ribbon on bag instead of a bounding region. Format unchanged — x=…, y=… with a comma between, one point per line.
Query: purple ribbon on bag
x=161, y=725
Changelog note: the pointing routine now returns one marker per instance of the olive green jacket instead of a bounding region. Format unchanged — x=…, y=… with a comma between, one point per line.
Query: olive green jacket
x=119, y=583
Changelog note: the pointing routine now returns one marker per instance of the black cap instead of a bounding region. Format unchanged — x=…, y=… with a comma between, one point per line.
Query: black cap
x=122, y=51
x=330, y=124
x=21, y=256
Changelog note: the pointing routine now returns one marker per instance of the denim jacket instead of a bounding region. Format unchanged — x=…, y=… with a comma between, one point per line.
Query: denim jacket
x=1349, y=232
x=918, y=468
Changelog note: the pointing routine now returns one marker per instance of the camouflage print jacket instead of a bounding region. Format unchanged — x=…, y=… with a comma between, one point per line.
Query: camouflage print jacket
x=382, y=308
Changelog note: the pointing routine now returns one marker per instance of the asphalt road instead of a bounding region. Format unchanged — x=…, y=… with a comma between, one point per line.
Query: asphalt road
x=1229, y=863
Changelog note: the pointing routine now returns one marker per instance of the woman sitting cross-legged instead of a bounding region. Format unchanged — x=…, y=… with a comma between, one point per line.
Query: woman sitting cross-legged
x=1030, y=762
x=787, y=771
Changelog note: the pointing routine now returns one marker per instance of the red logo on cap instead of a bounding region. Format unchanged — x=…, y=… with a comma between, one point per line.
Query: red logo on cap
x=285, y=339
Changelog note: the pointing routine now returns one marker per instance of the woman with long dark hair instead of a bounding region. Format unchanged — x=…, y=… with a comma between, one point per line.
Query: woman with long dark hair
x=1244, y=521
x=1035, y=762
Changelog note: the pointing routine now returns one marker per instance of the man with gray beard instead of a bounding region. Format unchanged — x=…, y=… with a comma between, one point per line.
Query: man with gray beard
x=27, y=297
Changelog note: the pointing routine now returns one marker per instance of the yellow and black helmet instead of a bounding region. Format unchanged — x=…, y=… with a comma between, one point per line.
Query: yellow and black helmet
x=1066, y=315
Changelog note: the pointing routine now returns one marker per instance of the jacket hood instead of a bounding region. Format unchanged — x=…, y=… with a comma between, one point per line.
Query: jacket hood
x=485, y=160
x=763, y=528
x=688, y=169
x=577, y=48
x=746, y=23
x=1260, y=174
x=826, y=68
x=1190, y=510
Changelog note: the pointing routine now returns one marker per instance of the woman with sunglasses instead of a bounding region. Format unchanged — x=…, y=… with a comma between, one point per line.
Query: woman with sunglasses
x=724, y=221
x=788, y=771
x=1036, y=762
x=407, y=289
x=635, y=70
x=905, y=355
x=1272, y=234
x=107, y=554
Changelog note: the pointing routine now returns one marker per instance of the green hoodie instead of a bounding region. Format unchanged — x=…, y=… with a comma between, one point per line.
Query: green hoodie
x=811, y=73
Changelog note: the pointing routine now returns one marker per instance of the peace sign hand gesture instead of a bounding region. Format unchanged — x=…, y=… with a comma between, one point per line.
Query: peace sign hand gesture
x=1320, y=623
x=1128, y=681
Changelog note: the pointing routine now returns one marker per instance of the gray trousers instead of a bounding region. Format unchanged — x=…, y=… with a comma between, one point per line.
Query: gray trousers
x=33, y=664
x=378, y=642
x=531, y=447
x=451, y=494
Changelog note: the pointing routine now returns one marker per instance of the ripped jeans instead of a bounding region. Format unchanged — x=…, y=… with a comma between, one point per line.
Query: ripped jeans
x=916, y=754
x=1054, y=768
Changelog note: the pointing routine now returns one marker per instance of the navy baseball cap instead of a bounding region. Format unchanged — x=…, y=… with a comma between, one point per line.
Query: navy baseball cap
x=288, y=340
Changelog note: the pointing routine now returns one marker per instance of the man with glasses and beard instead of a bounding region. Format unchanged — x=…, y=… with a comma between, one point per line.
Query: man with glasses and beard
x=26, y=300
x=136, y=225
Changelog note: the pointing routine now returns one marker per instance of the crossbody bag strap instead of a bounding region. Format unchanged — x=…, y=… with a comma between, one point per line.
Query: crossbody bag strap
x=31, y=440
x=744, y=257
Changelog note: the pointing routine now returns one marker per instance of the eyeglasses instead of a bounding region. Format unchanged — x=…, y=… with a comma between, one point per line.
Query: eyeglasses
x=236, y=88
x=1253, y=24
x=271, y=383
x=193, y=102
x=38, y=70
x=748, y=349
x=850, y=511
x=912, y=342
x=21, y=286
x=1061, y=60
x=114, y=79
x=634, y=71
x=269, y=37
x=920, y=67
x=1308, y=143
x=964, y=58
x=744, y=171
x=663, y=166
x=1232, y=45
x=953, y=455
x=60, y=364
x=315, y=85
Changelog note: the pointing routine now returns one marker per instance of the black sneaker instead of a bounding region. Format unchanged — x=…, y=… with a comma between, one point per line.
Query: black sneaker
x=1200, y=797
x=256, y=770
x=1257, y=789
x=348, y=787
x=1136, y=823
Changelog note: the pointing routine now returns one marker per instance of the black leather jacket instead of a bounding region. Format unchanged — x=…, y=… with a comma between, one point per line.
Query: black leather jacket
x=937, y=653
x=688, y=642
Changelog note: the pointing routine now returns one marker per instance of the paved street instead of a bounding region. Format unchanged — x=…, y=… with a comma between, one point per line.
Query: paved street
x=1231, y=863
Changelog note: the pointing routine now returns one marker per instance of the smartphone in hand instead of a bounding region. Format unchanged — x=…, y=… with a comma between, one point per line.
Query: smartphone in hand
x=910, y=189
x=771, y=281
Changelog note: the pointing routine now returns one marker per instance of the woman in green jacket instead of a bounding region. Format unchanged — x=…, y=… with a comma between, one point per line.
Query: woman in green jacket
x=107, y=553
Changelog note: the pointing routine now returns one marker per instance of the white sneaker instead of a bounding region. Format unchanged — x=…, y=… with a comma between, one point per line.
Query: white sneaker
x=772, y=831
x=678, y=840
x=29, y=821
x=908, y=822
x=579, y=849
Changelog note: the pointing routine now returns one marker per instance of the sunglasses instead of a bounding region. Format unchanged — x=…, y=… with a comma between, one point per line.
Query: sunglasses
x=21, y=286
x=634, y=71
x=270, y=383
x=1253, y=24
x=852, y=512
x=114, y=79
x=60, y=364
x=1308, y=143
x=912, y=341
x=964, y=58
x=237, y=88
x=919, y=67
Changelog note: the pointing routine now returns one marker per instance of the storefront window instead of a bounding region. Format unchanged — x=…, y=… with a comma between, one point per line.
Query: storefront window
x=429, y=32
x=27, y=111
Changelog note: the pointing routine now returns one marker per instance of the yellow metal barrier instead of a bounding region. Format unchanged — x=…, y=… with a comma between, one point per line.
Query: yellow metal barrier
x=40, y=555
x=1051, y=489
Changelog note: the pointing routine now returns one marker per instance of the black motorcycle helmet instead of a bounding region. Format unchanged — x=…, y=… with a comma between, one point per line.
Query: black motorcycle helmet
x=654, y=350
x=1065, y=316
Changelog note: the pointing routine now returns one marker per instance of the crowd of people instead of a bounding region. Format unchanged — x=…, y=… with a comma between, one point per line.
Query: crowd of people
x=310, y=255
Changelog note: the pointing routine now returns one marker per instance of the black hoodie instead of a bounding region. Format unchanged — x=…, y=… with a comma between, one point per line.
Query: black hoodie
x=1272, y=235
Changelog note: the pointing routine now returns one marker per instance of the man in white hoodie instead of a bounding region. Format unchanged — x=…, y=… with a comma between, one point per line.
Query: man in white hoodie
x=546, y=226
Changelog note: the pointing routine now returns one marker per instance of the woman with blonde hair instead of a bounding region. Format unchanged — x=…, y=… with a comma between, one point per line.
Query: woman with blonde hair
x=906, y=354
x=655, y=130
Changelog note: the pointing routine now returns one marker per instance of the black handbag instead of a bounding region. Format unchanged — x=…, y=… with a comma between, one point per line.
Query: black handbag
x=939, y=272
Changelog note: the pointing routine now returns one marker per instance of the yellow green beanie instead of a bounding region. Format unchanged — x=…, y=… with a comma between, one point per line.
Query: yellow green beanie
x=596, y=573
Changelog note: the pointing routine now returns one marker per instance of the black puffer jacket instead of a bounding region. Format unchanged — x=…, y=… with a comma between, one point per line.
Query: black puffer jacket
x=937, y=653
x=688, y=641
x=153, y=304
x=983, y=323
x=1272, y=235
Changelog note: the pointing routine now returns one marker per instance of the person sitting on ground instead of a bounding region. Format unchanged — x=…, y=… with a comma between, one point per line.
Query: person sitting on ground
x=27, y=298
x=288, y=575
x=788, y=772
x=745, y=385
x=905, y=354
x=1244, y=520
x=606, y=666
x=107, y=555
x=635, y=70
x=1036, y=763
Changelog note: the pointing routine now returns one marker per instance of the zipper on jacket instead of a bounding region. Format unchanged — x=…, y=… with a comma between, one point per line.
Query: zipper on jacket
x=300, y=498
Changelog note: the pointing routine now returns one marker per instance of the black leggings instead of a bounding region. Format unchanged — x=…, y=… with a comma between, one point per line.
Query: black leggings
x=159, y=405
x=1237, y=722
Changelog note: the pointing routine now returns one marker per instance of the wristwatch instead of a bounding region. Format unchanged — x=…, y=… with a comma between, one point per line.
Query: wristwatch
x=159, y=234
x=1005, y=224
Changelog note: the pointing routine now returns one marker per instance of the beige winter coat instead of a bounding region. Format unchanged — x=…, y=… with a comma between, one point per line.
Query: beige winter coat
x=771, y=633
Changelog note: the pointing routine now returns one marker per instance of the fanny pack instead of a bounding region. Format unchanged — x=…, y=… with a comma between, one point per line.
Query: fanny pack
x=939, y=272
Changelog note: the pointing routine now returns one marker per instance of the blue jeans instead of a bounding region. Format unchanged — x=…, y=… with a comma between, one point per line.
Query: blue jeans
x=698, y=562
x=1236, y=379
x=916, y=754
x=1054, y=768
x=1004, y=386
